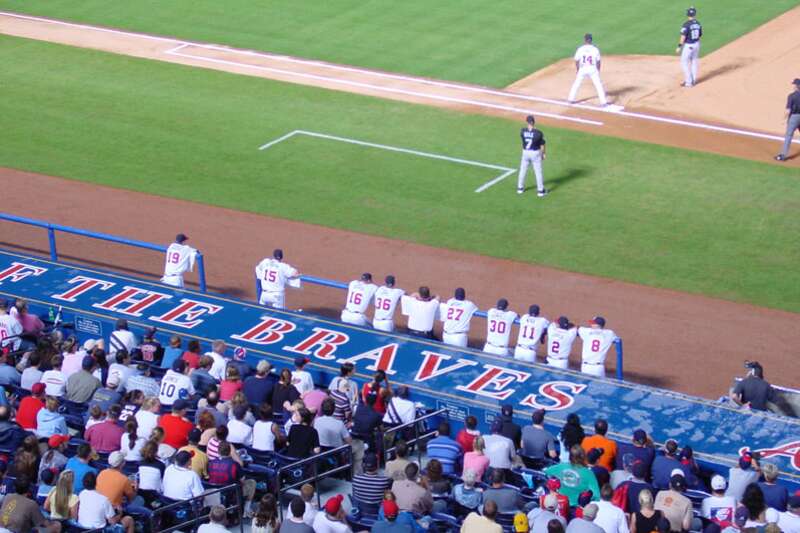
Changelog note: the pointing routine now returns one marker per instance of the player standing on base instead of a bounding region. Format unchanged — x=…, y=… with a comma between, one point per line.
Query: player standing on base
x=587, y=63
x=273, y=275
x=359, y=296
x=180, y=258
x=533, y=153
x=689, y=48
x=792, y=120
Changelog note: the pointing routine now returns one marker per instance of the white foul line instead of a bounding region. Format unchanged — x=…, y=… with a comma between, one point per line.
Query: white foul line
x=506, y=171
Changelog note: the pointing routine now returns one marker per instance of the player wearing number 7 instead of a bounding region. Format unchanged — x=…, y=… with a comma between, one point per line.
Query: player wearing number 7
x=532, y=327
x=456, y=314
x=180, y=258
x=587, y=63
x=560, y=336
x=596, y=342
x=498, y=328
x=359, y=296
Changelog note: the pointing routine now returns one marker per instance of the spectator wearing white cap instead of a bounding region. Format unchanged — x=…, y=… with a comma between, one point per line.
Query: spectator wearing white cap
x=676, y=507
x=585, y=523
x=718, y=507
x=540, y=516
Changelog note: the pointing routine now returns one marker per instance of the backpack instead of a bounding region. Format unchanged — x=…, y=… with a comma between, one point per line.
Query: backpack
x=620, y=497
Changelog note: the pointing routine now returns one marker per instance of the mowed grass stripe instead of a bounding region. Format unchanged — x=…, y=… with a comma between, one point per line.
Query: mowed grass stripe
x=632, y=211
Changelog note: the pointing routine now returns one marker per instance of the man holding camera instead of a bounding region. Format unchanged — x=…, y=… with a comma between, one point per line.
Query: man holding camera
x=755, y=392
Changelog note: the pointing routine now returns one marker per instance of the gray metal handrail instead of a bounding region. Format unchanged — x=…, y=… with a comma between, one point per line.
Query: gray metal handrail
x=417, y=437
x=314, y=460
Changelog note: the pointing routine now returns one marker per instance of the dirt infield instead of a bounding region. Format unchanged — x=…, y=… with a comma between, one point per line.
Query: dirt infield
x=679, y=341
x=676, y=127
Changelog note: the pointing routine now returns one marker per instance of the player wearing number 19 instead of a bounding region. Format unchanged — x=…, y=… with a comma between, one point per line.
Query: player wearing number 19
x=180, y=258
x=596, y=342
x=456, y=314
x=498, y=328
x=359, y=295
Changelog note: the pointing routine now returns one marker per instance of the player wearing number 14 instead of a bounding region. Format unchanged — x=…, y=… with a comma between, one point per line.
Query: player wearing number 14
x=359, y=295
x=587, y=63
x=180, y=259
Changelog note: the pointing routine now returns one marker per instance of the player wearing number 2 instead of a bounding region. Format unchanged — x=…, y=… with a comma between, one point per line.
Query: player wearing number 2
x=596, y=342
x=456, y=314
x=498, y=328
x=587, y=63
x=273, y=275
x=689, y=47
x=180, y=259
x=560, y=336
x=386, y=299
x=531, y=328
x=359, y=296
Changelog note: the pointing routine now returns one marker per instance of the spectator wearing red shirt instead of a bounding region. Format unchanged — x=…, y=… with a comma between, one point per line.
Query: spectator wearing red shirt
x=192, y=354
x=466, y=437
x=375, y=389
x=176, y=427
x=553, y=486
x=30, y=406
x=231, y=384
x=106, y=437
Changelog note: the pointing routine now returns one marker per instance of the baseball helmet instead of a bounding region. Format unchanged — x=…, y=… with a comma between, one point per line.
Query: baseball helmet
x=691, y=12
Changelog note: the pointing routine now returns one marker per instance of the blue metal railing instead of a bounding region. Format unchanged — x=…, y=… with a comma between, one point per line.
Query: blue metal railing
x=51, y=236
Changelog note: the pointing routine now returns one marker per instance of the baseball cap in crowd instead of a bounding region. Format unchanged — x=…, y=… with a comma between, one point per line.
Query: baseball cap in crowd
x=122, y=323
x=594, y=454
x=180, y=404
x=745, y=461
x=390, y=508
x=640, y=436
x=520, y=523
x=598, y=320
x=794, y=501
x=687, y=453
x=563, y=322
x=796, y=81
x=370, y=461
x=89, y=344
x=183, y=457
x=333, y=504
x=585, y=498
x=497, y=425
x=553, y=484
x=38, y=388
x=678, y=482
x=179, y=365
x=195, y=434
x=718, y=483
x=550, y=501
x=180, y=237
x=676, y=472
x=639, y=469
x=239, y=353
x=116, y=459
x=57, y=440
x=741, y=516
x=87, y=363
x=300, y=361
x=507, y=410
x=112, y=381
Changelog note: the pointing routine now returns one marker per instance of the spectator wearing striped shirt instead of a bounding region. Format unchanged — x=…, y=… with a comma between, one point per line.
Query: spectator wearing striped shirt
x=368, y=488
x=343, y=409
x=446, y=450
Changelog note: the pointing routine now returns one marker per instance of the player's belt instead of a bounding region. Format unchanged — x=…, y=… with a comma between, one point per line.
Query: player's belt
x=497, y=345
x=457, y=332
x=585, y=363
x=528, y=347
x=558, y=358
x=355, y=312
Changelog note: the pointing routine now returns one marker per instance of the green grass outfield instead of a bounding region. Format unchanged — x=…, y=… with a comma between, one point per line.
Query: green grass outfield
x=489, y=43
x=632, y=211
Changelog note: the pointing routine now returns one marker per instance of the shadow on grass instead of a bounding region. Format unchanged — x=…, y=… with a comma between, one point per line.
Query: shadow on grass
x=566, y=177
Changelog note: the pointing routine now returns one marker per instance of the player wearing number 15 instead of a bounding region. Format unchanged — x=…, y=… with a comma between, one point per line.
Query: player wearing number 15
x=386, y=299
x=532, y=327
x=498, y=328
x=560, y=336
x=596, y=342
x=456, y=314
x=359, y=295
x=273, y=275
x=180, y=259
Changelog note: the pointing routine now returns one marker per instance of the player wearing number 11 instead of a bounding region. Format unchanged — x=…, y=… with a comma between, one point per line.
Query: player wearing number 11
x=359, y=296
x=180, y=259
x=532, y=327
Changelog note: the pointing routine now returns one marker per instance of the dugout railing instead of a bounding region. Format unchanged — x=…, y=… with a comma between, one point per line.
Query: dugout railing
x=413, y=433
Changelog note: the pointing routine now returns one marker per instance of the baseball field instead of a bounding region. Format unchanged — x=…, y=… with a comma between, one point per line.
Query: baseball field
x=679, y=231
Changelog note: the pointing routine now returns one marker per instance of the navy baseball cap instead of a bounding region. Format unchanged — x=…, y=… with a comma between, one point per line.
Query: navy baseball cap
x=300, y=361
x=600, y=321
x=87, y=363
x=691, y=12
x=587, y=37
x=502, y=304
x=534, y=310
x=180, y=237
x=796, y=81
x=390, y=280
x=639, y=469
x=180, y=405
x=366, y=276
x=640, y=436
x=563, y=322
x=507, y=409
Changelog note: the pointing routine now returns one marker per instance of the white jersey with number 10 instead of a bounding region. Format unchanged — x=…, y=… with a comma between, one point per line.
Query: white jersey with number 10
x=386, y=299
x=498, y=326
x=274, y=274
x=359, y=296
x=180, y=258
x=530, y=330
x=596, y=343
x=174, y=386
x=559, y=341
x=456, y=315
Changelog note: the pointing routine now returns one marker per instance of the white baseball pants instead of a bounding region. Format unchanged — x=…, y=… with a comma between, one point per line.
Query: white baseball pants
x=593, y=369
x=351, y=317
x=497, y=350
x=690, y=62
x=273, y=299
x=558, y=363
x=383, y=325
x=524, y=353
x=598, y=85
x=534, y=159
x=173, y=281
x=455, y=339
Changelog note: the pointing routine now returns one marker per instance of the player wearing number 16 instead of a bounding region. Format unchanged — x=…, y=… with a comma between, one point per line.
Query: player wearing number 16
x=180, y=259
x=498, y=328
x=359, y=295
x=456, y=314
x=596, y=342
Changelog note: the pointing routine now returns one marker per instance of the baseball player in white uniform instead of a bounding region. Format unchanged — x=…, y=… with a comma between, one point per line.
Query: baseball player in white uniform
x=596, y=342
x=456, y=314
x=9, y=327
x=560, y=336
x=180, y=259
x=587, y=63
x=386, y=298
x=359, y=295
x=498, y=328
x=274, y=275
x=532, y=327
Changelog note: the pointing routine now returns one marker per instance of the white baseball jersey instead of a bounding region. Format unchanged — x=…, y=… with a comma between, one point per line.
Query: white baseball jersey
x=587, y=56
x=456, y=315
x=180, y=258
x=302, y=381
x=559, y=341
x=359, y=296
x=421, y=314
x=530, y=330
x=386, y=299
x=596, y=343
x=498, y=326
x=274, y=274
x=174, y=386
x=9, y=327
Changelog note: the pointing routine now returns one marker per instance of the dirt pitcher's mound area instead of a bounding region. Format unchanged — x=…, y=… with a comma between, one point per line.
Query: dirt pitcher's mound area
x=743, y=84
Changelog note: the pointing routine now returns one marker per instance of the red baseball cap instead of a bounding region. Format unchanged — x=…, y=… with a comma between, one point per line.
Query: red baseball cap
x=57, y=440
x=390, y=508
x=333, y=505
x=38, y=388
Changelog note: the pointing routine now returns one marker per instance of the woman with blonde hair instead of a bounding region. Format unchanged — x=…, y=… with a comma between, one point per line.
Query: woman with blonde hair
x=147, y=416
x=646, y=519
x=239, y=399
x=476, y=460
x=62, y=503
x=231, y=384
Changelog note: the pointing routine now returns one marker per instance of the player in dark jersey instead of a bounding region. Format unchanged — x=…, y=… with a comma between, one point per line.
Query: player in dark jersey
x=533, y=153
x=689, y=47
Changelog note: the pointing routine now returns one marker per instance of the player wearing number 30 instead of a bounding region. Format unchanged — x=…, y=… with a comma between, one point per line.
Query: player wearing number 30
x=359, y=296
x=456, y=314
x=560, y=336
x=386, y=299
x=180, y=259
x=587, y=63
x=531, y=328
x=596, y=342
x=273, y=275
x=498, y=328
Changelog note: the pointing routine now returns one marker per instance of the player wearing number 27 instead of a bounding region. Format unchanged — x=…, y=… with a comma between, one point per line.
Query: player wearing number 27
x=456, y=314
x=273, y=275
x=531, y=328
x=386, y=299
x=587, y=63
x=560, y=336
x=498, y=328
x=180, y=259
x=596, y=342
x=359, y=295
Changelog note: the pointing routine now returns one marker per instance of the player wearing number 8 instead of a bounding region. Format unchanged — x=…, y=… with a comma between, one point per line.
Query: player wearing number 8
x=180, y=258
x=456, y=314
x=359, y=295
x=498, y=328
x=532, y=327
x=560, y=336
x=596, y=342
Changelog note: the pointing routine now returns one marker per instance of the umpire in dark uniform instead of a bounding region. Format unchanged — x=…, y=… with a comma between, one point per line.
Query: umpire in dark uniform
x=792, y=119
